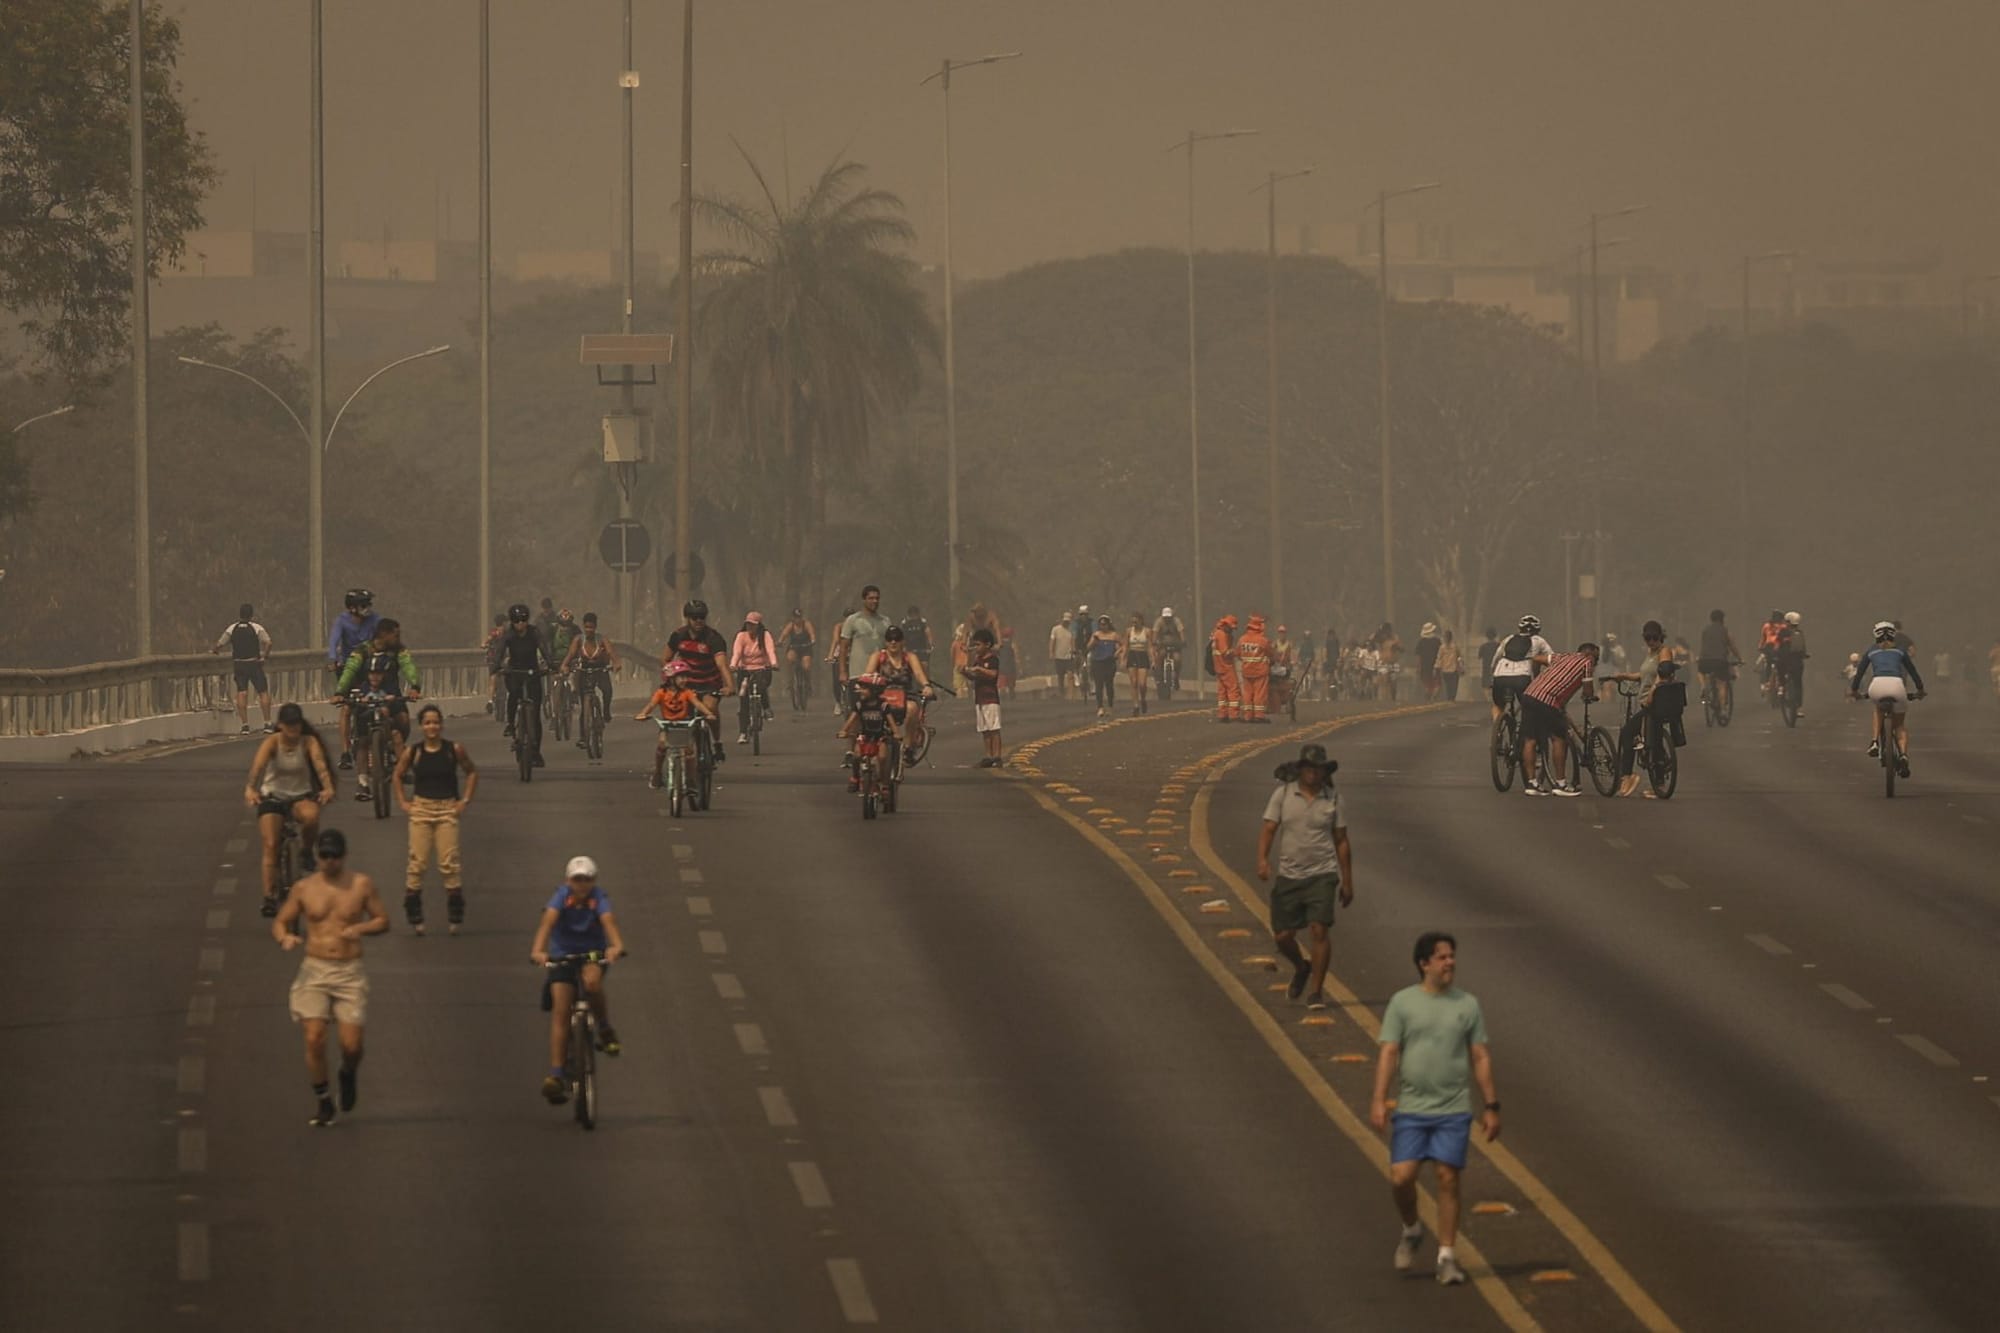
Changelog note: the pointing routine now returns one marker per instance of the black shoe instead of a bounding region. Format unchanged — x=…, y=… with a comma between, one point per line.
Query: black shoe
x=270, y=907
x=555, y=1090
x=1301, y=973
x=413, y=910
x=539, y=763
x=326, y=1116
x=508, y=730
x=346, y=762
x=1316, y=1001
x=721, y=756
x=608, y=1042
x=348, y=1091
x=1902, y=768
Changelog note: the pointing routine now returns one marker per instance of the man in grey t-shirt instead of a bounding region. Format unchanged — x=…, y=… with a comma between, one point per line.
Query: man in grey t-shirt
x=1315, y=865
x=861, y=635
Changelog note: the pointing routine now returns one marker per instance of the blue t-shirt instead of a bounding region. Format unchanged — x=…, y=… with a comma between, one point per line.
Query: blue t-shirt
x=578, y=929
x=349, y=635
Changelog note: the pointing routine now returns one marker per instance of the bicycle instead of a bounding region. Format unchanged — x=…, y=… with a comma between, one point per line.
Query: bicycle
x=753, y=694
x=556, y=705
x=1282, y=685
x=1788, y=684
x=526, y=720
x=1653, y=746
x=1716, y=713
x=878, y=764
x=372, y=729
x=799, y=678
x=674, y=778
x=1895, y=763
x=927, y=734
x=1169, y=680
x=1503, y=750
x=580, y=1051
x=590, y=718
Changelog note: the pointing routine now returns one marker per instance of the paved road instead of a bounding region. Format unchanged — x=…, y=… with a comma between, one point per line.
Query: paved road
x=950, y=1070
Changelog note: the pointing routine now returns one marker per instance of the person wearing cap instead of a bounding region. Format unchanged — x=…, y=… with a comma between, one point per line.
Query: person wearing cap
x=1169, y=640
x=1253, y=660
x=1304, y=822
x=798, y=636
x=1086, y=625
x=577, y=920
x=1062, y=654
x=1428, y=646
x=752, y=656
x=249, y=645
x=339, y=906
x=1222, y=665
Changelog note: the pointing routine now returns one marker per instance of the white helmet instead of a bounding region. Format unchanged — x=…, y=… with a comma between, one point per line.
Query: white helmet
x=1166, y=613
x=1791, y=617
x=1885, y=629
x=1530, y=625
x=580, y=867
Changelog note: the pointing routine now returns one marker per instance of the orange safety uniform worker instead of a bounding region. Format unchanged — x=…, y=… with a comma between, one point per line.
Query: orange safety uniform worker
x=1253, y=656
x=1228, y=692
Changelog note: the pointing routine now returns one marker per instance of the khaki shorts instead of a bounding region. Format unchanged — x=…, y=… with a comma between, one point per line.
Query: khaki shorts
x=326, y=989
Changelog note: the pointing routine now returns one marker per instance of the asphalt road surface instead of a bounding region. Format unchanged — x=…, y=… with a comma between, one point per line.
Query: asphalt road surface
x=979, y=1065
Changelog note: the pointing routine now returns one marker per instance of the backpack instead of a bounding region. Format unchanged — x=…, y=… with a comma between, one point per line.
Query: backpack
x=243, y=644
x=1518, y=647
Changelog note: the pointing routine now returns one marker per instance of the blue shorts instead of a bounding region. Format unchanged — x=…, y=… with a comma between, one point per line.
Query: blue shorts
x=1430, y=1138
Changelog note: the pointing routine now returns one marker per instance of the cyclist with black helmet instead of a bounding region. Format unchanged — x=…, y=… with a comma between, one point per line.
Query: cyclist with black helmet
x=383, y=669
x=706, y=652
x=352, y=629
x=870, y=717
x=523, y=657
x=1514, y=663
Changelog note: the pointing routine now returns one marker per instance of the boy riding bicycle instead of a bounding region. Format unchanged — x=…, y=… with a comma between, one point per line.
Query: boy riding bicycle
x=869, y=721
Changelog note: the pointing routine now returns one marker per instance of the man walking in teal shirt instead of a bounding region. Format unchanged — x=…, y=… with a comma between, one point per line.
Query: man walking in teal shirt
x=1434, y=1038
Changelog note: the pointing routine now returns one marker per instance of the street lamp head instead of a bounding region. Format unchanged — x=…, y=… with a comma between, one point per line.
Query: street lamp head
x=950, y=66
x=1275, y=177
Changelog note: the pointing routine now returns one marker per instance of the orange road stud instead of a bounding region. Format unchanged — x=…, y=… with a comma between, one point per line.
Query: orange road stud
x=1553, y=1275
x=1128, y=833
x=1493, y=1209
x=1350, y=1058
x=1079, y=800
x=1180, y=874
x=1279, y=985
x=1316, y=1021
x=1259, y=960
x=1197, y=888
x=1233, y=933
x=1216, y=906
x=1098, y=810
x=1165, y=858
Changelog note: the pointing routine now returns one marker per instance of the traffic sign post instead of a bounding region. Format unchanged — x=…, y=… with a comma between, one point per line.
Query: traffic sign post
x=696, y=570
x=625, y=544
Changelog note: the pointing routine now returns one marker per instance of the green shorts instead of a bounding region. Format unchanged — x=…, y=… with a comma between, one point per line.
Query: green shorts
x=1297, y=902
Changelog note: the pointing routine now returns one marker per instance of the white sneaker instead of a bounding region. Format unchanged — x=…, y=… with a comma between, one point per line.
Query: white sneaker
x=742, y=738
x=1534, y=788
x=1406, y=1250
x=1449, y=1273
x=1564, y=789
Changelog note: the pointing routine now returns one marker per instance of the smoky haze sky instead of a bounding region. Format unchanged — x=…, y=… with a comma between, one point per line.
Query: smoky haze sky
x=1845, y=128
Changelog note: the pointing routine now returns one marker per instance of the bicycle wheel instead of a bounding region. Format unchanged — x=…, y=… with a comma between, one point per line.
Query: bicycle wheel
x=385, y=770
x=592, y=725
x=1788, y=704
x=1503, y=751
x=892, y=777
x=1726, y=707
x=868, y=789
x=676, y=783
x=1663, y=764
x=1603, y=761
x=583, y=1055
x=756, y=724
x=527, y=728
x=1889, y=761
x=288, y=850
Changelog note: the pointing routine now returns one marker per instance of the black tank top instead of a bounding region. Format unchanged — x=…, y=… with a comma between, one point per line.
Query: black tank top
x=436, y=774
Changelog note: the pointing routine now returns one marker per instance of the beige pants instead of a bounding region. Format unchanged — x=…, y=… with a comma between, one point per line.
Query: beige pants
x=433, y=824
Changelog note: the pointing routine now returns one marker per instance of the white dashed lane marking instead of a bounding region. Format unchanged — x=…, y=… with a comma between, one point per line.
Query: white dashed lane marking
x=713, y=943
x=727, y=986
x=211, y=958
x=1671, y=881
x=1846, y=997
x=777, y=1108
x=700, y=907
x=218, y=919
x=225, y=886
x=811, y=1185
x=1769, y=945
x=750, y=1037
x=1929, y=1049
x=689, y=875
x=201, y=1011
x=194, y=1251
x=191, y=1152
x=235, y=845
x=1617, y=844
x=191, y=1075
x=683, y=851
x=855, y=1305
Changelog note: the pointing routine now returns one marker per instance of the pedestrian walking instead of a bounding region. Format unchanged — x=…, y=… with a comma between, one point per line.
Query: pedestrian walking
x=1449, y=666
x=1428, y=646
x=1388, y=661
x=1105, y=649
x=249, y=646
x=1221, y=664
x=1010, y=661
x=1062, y=654
x=1138, y=659
x=1488, y=650
x=982, y=667
x=339, y=906
x=1434, y=1049
x=433, y=765
x=1304, y=821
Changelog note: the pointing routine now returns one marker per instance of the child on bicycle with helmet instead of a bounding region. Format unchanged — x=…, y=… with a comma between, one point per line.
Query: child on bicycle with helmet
x=674, y=701
x=871, y=718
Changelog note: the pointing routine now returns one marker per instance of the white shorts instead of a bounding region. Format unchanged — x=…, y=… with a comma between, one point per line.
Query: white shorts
x=985, y=717
x=1889, y=687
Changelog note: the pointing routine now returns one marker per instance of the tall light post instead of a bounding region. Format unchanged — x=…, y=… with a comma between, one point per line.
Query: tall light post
x=316, y=347
x=1270, y=188
x=316, y=457
x=1381, y=206
x=684, y=322
x=1965, y=287
x=1187, y=145
x=142, y=506
x=485, y=607
x=1744, y=423
x=943, y=77
x=628, y=83
x=1598, y=539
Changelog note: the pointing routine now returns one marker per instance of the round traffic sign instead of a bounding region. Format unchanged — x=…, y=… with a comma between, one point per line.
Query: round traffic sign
x=696, y=570
x=624, y=544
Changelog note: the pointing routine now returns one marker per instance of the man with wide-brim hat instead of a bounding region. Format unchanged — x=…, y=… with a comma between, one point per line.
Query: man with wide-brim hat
x=1304, y=821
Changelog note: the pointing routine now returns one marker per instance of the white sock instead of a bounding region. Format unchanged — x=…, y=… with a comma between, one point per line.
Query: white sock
x=1414, y=1230
x=1444, y=1253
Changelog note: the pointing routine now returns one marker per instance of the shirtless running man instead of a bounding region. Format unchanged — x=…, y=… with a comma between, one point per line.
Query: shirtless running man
x=339, y=906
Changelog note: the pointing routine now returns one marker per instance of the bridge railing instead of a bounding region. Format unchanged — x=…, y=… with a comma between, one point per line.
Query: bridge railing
x=71, y=699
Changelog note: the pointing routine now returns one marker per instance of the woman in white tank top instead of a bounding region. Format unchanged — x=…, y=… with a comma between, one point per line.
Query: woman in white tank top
x=1138, y=660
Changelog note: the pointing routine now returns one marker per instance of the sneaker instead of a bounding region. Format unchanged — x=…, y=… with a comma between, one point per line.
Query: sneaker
x=540, y=762
x=326, y=1116
x=270, y=728
x=1316, y=1001
x=854, y=784
x=489, y=705
x=555, y=1090
x=349, y=1092
x=582, y=744
x=361, y=792
x=507, y=730
x=1449, y=1273
x=1565, y=789
x=243, y=730
x=1407, y=1247
x=1534, y=789
x=1902, y=767
x=721, y=755
x=742, y=738
x=608, y=1041
x=653, y=781
x=346, y=762
x=1300, y=975
x=1874, y=749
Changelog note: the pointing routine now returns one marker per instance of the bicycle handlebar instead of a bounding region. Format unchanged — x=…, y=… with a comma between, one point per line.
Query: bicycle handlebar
x=594, y=956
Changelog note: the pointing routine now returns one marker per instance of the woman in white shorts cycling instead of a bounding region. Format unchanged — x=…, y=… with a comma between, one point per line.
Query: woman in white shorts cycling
x=1886, y=672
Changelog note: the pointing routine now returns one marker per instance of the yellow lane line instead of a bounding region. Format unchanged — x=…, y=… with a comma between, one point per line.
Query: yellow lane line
x=1503, y=1301
x=1593, y=1250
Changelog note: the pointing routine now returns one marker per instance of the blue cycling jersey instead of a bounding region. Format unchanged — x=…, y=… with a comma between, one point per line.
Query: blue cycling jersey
x=1884, y=661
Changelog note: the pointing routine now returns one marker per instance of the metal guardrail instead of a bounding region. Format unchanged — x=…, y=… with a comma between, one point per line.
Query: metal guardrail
x=72, y=699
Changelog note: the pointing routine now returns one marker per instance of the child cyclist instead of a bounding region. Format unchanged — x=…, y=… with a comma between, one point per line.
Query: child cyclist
x=674, y=702
x=871, y=718
x=577, y=920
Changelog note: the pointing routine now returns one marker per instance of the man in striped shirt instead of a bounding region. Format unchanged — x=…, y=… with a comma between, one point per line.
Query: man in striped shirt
x=1542, y=720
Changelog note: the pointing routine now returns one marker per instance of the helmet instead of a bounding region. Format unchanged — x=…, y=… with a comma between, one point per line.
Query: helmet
x=893, y=634
x=580, y=867
x=359, y=599
x=695, y=610
x=674, y=668
x=519, y=611
x=1166, y=613
x=566, y=617
x=1530, y=625
x=1885, y=629
x=1791, y=617
x=381, y=663
x=871, y=681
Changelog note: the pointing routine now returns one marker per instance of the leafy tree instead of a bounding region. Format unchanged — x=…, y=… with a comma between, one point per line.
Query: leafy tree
x=65, y=173
x=813, y=330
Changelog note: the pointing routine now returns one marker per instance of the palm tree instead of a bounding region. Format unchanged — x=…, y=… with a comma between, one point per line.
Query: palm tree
x=811, y=330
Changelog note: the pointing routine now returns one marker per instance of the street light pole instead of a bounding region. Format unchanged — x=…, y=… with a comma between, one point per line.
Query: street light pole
x=142, y=519
x=1270, y=187
x=1194, y=393
x=628, y=82
x=316, y=351
x=485, y=318
x=943, y=76
x=1382, y=198
x=1598, y=538
x=684, y=336
x=1744, y=424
